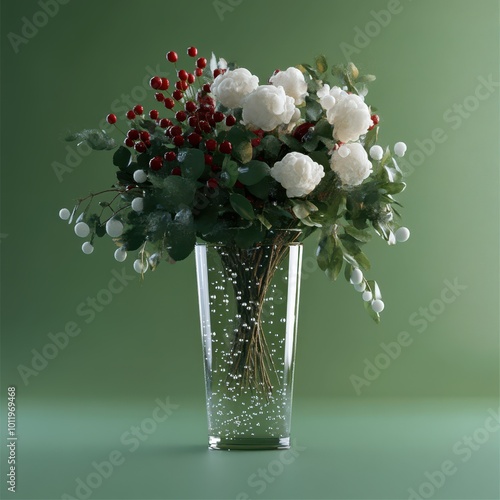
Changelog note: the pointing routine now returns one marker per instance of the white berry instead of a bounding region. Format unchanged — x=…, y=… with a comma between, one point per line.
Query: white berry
x=82, y=229
x=376, y=152
x=64, y=214
x=138, y=204
x=378, y=306
x=87, y=248
x=402, y=234
x=140, y=176
x=361, y=287
x=356, y=277
x=140, y=267
x=367, y=296
x=114, y=228
x=400, y=148
x=121, y=254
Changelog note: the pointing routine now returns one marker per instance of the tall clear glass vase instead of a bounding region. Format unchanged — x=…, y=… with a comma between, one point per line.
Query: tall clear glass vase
x=249, y=301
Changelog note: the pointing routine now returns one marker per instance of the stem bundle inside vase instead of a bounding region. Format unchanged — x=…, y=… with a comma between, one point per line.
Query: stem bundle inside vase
x=251, y=272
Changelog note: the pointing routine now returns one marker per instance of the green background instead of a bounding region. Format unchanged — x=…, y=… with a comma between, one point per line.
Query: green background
x=144, y=345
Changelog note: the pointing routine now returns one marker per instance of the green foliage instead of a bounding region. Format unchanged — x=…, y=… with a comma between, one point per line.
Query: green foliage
x=96, y=139
x=242, y=206
x=253, y=172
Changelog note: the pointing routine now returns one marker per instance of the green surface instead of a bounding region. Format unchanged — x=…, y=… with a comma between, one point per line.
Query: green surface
x=430, y=58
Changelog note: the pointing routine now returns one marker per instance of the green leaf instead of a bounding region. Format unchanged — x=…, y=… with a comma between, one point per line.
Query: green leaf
x=323, y=129
x=335, y=265
x=206, y=219
x=133, y=238
x=321, y=64
x=229, y=174
x=122, y=158
x=242, y=146
x=375, y=316
x=393, y=187
x=264, y=221
x=366, y=78
x=371, y=137
x=358, y=234
x=322, y=158
x=249, y=236
x=242, y=206
x=314, y=111
x=271, y=145
x=96, y=139
x=181, y=235
x=192, y=163
x=291, y=142
x=262, y=188
x=174, y=191
x=253, y=172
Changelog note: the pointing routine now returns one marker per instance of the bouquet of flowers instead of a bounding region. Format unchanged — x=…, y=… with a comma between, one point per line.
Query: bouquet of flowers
x=232, y=161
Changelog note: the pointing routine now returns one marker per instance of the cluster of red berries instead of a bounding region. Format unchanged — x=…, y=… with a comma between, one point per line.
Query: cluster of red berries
x=192, y=122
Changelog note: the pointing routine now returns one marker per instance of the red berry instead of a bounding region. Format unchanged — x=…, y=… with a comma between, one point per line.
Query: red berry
x=194, y=139
x=169, y=103
x=130, y=187
x=176, y=171
x=192, y=51
x=215, y=168
x=212, y=183
x=130, y=115
x=111, y=118
x=206, y=88
x=140, y=147
x=170, y=156
x=208, y=159
x=375, y=119
x=179, y=141
x=133, y=134
x=211, y=145
x=226, y=147
x=205, y=126
x=159, y=97
x=153, y=114
x=198, y=72
x=165, y=122
x=180, y=116
x=138, y=110
x=178, y=95
x=218, y=72
x=148, y=143
x=201, y=63
x=182, y=74
x=175, y=131
x=255, y=142
x=190, y=107
x=230, y=120
x=145, y=135
x=193, y=121
x=155, y=82
x=156, y=163
x=191, y=78
x=218, y=116
x=172, y=56
x=129, y=142
x=184, y=85
x=165, y=84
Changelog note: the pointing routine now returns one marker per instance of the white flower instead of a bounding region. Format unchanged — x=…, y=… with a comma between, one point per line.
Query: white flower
x=294, y=83
x=231, y=87
x=350, y=117
x=328, y=97
x=354, y=168
x=298, y=174
x=267, y=107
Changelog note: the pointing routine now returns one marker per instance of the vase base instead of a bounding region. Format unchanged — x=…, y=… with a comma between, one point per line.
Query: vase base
x=218, y=443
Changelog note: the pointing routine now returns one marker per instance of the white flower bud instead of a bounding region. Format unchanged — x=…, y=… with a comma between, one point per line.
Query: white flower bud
x=367, y=296
x=376, y=152
x=87, y=248
x=114, y=228
x=82, y=229
x=402, y=234
x=64, y=214
x=138, y=204
x=121, y=254
x=140, y=267
x=140, y=176
x=378, y=306
x=356, y=276
x=400, y=148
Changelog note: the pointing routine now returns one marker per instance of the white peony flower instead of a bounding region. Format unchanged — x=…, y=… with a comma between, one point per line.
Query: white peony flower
x=232, y=87
x=294, y=83
x=298, y=174
x=267, y=107
x=350, y=117
x=354, y=168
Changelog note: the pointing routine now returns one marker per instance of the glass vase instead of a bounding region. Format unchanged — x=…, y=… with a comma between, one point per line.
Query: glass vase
x=248, y=300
